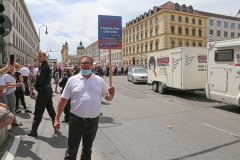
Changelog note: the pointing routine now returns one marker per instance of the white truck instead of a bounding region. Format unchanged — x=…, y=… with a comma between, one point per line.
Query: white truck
x=181, y=68
x=223, y=73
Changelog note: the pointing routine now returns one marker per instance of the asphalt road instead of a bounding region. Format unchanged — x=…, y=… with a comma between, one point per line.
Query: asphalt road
x=140, y=124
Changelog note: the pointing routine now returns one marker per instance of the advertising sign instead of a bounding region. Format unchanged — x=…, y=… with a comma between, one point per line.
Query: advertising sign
x=109, y=32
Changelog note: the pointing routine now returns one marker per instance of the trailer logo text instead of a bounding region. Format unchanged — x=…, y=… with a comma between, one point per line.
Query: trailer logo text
x=164, y=61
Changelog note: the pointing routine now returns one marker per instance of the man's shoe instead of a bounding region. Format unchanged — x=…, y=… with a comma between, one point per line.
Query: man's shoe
x=32, y=134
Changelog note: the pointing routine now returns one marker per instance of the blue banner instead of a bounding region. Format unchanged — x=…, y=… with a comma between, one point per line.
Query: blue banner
x=109, y=32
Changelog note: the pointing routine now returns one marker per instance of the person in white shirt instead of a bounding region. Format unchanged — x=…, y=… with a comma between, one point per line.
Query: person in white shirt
x=86, y=91
x=10, y=96
x=25, y=73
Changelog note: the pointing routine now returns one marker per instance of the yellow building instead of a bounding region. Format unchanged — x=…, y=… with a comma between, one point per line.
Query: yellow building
x=71, y=59
x=64, y=53
x=164, y=27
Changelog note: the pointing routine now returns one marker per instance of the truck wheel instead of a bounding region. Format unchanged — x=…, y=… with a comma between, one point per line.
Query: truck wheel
x=161, y=89
x=155, y=86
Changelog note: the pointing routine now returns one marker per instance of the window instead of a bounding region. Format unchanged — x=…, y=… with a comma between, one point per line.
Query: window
x=180, y=44
x=238, y=35
x=14, y=38
x=187, y=31
x=156, y=44
x=151, y=46
x=200, y=22
x=233, y=25
x=172, y=29
x=190, y=9
x=184, y=8
x=224, y=55
x=172, y=44
x=172, y=17
x=210, y=32
x=151, y=33
x=200, y=32
x=187, y=44
x=211, y=22
x=193, y=44
x=179, y=30
x=156, y=31
x=225, y=24
x=146, y=34
x=193, y=21
x=232, y=34
x=225, y=33
x=218, y=33
x=156, y=20
x=177, y=6
x=179, y=19
x=146, y=46
x=200, y=44
x=193, y=32
x=238, y=26
x=219, y=23
x=186, y=20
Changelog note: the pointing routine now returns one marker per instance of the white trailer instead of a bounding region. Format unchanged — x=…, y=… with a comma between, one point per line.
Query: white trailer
x=181, y=68
x=223, y=75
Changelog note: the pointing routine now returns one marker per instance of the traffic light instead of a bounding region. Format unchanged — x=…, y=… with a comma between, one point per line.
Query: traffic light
x=5, y=22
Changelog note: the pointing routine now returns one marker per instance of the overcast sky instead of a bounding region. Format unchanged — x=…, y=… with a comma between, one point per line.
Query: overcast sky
x=73, y=21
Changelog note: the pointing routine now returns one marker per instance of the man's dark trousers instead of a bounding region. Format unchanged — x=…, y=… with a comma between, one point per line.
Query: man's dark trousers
x=81, y=129
x=44, y=100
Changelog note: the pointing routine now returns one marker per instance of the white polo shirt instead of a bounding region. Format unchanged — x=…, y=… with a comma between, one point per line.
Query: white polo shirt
x=2, y=83
x=24, y=71
x=86, y=95
x=9, y=79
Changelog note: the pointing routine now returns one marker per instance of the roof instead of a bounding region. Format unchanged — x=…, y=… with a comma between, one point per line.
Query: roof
x=209, y=14
x=80, y=46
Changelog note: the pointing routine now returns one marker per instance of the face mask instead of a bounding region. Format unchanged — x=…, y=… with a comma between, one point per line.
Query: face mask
x=86, y=72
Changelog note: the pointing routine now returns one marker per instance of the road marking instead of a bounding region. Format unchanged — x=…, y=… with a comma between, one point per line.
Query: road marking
x=12, y=152
x=222, y=130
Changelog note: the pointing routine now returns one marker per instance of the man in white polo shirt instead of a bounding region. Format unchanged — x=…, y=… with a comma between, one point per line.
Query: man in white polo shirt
x=86, y=91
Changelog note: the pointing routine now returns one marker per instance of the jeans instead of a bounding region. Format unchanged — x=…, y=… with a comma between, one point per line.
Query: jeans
x=11, y=102
x=81, y=129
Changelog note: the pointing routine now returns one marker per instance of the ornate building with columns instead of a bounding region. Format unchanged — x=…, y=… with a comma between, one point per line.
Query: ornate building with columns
x=72, y=59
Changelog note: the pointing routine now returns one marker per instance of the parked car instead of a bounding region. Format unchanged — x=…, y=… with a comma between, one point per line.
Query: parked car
x=136, y=75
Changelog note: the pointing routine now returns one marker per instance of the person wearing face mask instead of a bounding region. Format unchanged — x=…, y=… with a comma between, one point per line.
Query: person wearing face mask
x=86, y=91
x=44, y=96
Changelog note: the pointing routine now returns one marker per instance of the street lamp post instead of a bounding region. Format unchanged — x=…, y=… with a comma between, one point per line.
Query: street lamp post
x=39, y=34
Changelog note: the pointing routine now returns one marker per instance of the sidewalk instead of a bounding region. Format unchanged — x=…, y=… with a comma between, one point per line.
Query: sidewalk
x=45, y=146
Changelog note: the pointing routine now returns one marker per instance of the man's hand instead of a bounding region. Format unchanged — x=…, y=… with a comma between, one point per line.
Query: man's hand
x=56, y=124
x=111, y=91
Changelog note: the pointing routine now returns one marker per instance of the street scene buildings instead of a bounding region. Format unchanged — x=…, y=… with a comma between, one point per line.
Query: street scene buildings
x=175, y=74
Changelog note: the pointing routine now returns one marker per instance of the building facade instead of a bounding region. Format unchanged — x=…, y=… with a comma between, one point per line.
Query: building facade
x=221, y=27
x=72, y=59
x=164, y=27
x=23, y=40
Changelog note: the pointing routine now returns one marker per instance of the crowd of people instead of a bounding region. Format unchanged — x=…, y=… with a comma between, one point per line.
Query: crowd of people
x=81, y=96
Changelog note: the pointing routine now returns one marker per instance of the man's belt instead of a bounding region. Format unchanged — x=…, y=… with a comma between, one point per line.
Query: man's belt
x=84, y=119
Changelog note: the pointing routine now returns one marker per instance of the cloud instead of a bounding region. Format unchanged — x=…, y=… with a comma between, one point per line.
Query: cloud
x=76, y=20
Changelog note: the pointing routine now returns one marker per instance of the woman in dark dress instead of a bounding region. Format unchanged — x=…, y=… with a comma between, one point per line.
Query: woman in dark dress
x=19, y=92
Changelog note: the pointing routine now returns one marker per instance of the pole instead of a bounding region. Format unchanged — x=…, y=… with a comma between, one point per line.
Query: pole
x=99, y=58
x=110, y=68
